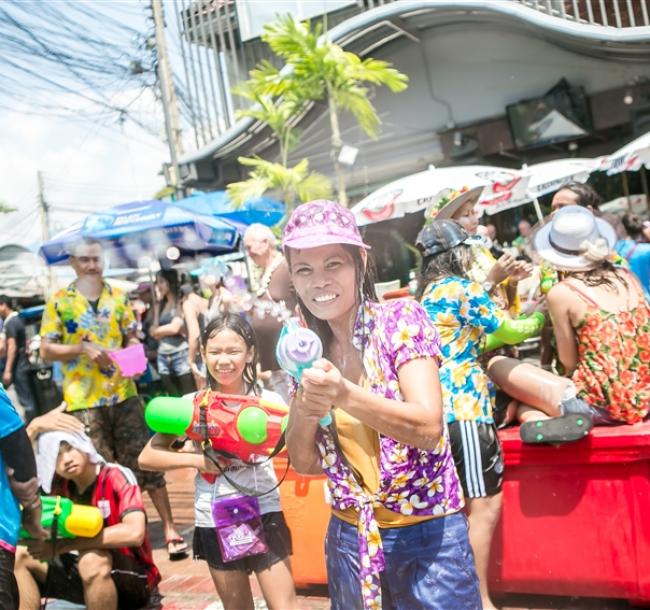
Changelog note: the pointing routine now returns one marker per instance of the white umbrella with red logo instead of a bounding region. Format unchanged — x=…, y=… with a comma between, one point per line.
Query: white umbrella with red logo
x=422, y=190
x=541, y=179
x=629, y=158
x=550, y=176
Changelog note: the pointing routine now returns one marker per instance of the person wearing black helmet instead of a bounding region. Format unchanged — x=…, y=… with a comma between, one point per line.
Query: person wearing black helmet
x=465, y=314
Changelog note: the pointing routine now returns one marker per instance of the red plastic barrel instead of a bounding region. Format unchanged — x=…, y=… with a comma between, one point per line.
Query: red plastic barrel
x=576, y=517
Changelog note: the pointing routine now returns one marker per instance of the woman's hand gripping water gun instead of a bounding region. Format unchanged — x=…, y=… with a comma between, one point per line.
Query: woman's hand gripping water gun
x=512, y=332
x=297, y=350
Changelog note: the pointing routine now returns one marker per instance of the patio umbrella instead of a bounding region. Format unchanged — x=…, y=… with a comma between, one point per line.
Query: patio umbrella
x=418, y=191
x=151, y=229
x=629, y=158
x=264, y=210
x=548, y=177
x=541, y=179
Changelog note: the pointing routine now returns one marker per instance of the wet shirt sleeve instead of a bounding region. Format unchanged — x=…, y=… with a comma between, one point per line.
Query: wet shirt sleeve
x=123, y=491
x=411, y=334
x=128, y=323
x=9, y=419
x=477, y=309
x=51, y=323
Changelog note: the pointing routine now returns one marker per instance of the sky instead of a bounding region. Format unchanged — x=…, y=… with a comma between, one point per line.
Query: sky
x=89, y=159
x=85, y=166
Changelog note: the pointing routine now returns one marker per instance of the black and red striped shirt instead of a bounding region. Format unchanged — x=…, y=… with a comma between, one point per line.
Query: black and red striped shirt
x=116, y=493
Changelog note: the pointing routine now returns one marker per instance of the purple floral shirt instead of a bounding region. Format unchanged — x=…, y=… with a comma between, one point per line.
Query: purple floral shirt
x=412, y=481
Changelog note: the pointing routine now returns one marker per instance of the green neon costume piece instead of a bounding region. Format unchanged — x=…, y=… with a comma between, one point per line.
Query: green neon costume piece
x=284, y=423
x=512, y=332
x=74, y=519
x=169, y=414
x=251, y=425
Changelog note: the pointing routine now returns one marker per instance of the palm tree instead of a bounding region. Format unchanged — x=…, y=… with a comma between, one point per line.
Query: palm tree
x=291, y=184
x=321, y=70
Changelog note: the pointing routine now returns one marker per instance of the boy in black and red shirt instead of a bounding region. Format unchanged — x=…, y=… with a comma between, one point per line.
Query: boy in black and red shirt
x=115, y=569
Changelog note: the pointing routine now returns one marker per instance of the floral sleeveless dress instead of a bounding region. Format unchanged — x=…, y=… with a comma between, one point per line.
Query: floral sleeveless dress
x=613, y=371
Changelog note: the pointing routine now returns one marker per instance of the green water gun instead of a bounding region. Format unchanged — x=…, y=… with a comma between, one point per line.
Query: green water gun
x=65, y=519
x=512, y=332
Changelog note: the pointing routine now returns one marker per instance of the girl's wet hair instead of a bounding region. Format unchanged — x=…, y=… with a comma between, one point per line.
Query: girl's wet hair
x=456, y=262
x=364, y=284
x=239, y=325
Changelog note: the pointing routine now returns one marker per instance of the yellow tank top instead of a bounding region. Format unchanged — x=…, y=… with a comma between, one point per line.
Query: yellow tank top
x=360, y=445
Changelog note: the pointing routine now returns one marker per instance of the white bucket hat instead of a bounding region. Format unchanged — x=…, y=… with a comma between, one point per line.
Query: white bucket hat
x=574, y=240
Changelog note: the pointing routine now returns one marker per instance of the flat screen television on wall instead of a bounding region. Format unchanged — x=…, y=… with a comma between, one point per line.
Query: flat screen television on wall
x=562, y=114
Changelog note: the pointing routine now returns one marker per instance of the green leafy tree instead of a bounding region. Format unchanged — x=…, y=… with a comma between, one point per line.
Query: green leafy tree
x=321, y=70
x=290, y=184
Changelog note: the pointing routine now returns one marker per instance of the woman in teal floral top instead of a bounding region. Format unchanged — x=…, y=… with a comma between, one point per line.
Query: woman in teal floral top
x=397, y=537
x=464, y=314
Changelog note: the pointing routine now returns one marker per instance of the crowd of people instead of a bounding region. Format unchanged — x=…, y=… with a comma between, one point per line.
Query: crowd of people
x=416, y=389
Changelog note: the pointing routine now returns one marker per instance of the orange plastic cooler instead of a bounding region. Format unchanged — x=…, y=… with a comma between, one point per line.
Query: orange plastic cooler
x=576, y=518
x=307, y=513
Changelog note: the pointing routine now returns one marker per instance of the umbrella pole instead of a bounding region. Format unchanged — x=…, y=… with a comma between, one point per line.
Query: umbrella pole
x=538, y=210
x=644, y=184
x=626, y=188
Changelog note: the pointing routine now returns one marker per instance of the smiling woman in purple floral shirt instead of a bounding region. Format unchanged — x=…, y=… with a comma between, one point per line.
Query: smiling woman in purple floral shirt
x=397, y=537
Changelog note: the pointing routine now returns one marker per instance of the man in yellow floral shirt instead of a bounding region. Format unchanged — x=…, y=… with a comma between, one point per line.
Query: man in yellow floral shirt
x=81, y=325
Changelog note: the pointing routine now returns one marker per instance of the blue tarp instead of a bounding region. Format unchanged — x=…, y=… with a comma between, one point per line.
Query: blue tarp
x=140, y=229
x=264, y=210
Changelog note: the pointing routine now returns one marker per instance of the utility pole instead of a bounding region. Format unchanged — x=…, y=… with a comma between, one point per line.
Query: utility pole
x=45, y=224
x=167, y=95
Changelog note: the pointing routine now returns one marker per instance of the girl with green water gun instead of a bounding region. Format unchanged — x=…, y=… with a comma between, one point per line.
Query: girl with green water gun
x=235, y=532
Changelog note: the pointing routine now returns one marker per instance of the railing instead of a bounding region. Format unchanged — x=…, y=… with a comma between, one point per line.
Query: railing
x=211, y=57
x=611, y=13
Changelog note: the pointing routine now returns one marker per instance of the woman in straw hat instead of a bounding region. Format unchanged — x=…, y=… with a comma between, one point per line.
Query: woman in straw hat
x=601, y=322
x=397, y=537
x=499, y=277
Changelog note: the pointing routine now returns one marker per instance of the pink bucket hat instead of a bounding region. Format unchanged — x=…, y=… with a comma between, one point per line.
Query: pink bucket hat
x=321, y=223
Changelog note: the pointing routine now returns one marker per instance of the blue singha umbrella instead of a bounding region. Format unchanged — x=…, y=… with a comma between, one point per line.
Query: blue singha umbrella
x=149, y=229
x=264, y=210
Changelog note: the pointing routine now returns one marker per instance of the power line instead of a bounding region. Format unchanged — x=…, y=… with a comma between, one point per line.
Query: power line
x=53, y=47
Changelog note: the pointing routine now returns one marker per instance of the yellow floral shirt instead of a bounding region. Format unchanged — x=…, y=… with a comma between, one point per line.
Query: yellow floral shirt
x=70, y=319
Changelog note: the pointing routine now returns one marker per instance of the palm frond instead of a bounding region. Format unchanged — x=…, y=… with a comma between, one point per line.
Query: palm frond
x=355, y=100
x=314, y=186
x=253, y=188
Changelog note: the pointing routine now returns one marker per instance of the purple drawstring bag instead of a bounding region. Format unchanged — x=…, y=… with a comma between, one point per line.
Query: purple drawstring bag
x=238, y=523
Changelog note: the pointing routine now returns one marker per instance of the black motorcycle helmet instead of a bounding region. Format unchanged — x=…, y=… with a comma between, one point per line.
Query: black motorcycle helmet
x=439, y=236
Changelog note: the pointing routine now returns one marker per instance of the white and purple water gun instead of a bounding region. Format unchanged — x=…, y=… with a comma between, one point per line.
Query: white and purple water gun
x=297, y=349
